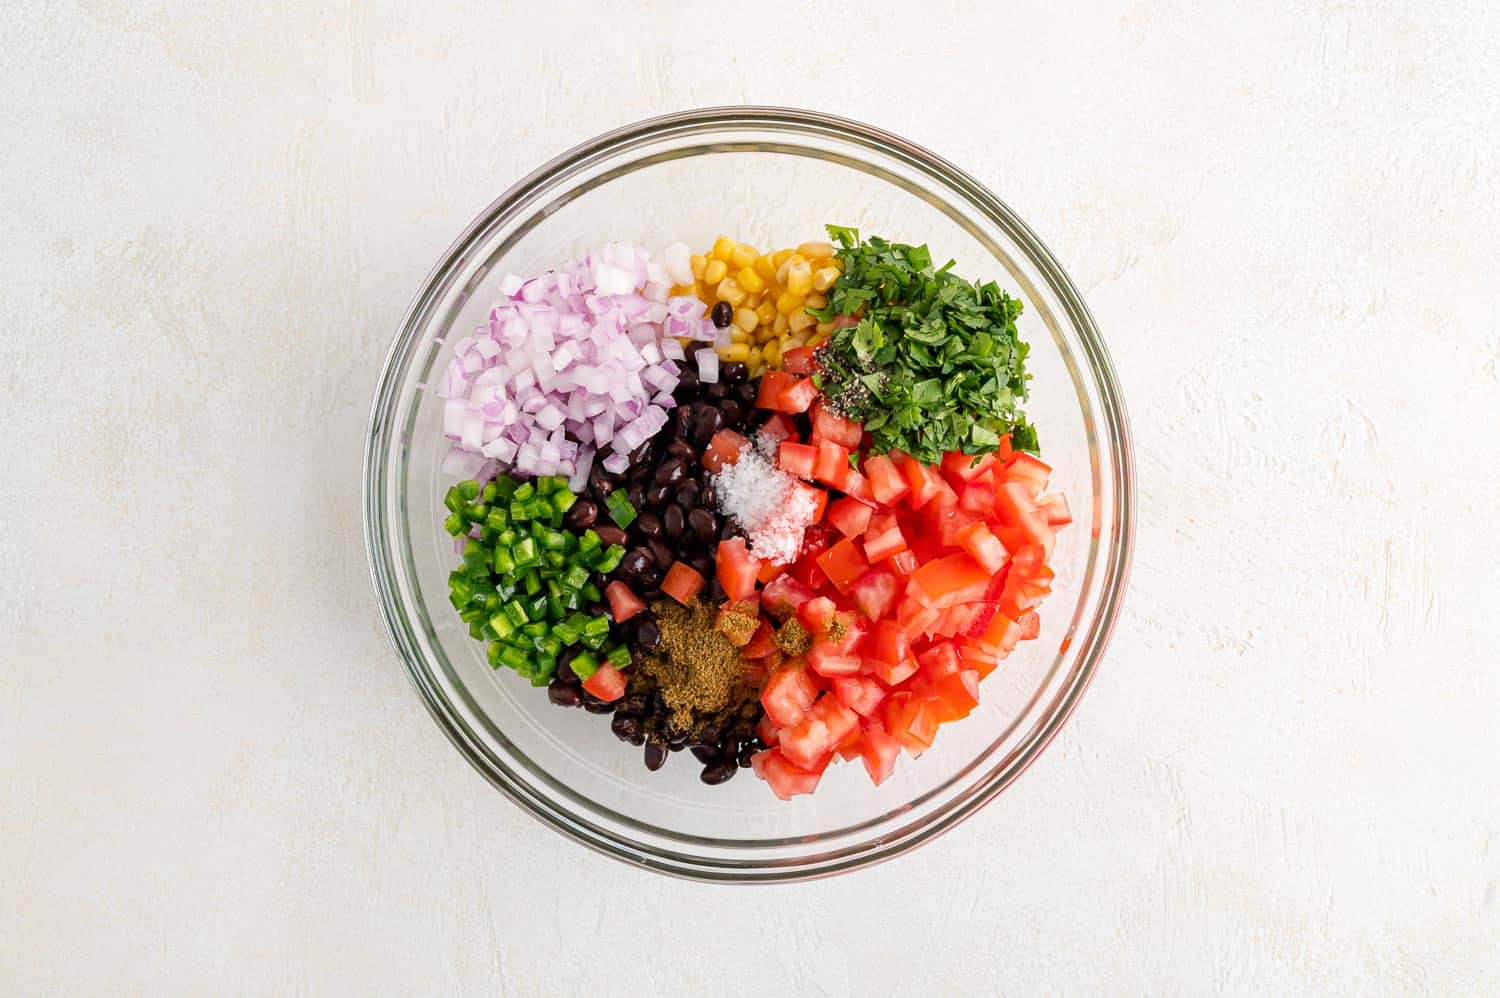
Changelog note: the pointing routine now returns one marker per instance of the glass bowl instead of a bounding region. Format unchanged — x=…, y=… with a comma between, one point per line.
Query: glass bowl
x=770, y=177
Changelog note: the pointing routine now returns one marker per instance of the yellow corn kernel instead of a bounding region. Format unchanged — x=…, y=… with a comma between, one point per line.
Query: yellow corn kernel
x=765, y=267
x=798, y=276
x=764, y=335
x=697, y=262
x=824, y=278
x=753, y=358
x=816, y=251
x=825, y=328
x=766, y=312
x=729, y=290
x=816, y=339
x=677, y=290
x=738, y=335
x=703, y=290
x=789, y=303
x=817, y=301
x=714, y=271
x=723, y=249
x=800, y=320
x=750, y=280
x=781, y=325
x=791, y=343
x=746, y=319
x=781, y=256
x=735, y=352
x=743, y=256
x=771, y=353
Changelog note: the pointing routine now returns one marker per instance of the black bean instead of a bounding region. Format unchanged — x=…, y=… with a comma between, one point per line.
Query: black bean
x=722, y=313
x=701, y=563
x=565, y=673
x=709, y=422
x=648, y=634
x=656, y=494
x=729, y=528
x=644, y=454
x=704, y=754
x=610, y=535
x=636, y=493
x=717, y=392
x=656, y=755
x=625, y=726
x=648, y=525
x=746, y=391
x=710, y=736
x=671, y=471
x=661, y=553
x=716, y=592
x=601, y=481
x=733, y=410
x=746, y=751
x=708, y=496
x=634, y=705
x=650, y=594
x=564, y=694
x=581, y=515
x=687, y=382
x=703, y=524
x=678, y=447
x=594, y=705
x=733, y=371
x=718, y=772
x=636, y=560
x=672, y=519
x=687, y=494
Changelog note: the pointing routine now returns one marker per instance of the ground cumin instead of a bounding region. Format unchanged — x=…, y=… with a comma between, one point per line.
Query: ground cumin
x=696, y=668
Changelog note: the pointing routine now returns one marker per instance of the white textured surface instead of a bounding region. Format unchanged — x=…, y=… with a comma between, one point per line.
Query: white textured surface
x=213, y=776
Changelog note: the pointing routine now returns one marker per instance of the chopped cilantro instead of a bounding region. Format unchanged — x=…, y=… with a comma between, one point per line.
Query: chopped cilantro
x=934, y=364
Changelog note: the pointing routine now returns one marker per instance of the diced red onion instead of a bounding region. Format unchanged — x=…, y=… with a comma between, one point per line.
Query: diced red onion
x=616, y=462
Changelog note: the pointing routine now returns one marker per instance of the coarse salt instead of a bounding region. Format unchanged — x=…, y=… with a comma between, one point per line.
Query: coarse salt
x=760, y=496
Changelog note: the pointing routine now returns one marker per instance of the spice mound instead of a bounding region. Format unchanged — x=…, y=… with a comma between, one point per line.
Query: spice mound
x=697, y=670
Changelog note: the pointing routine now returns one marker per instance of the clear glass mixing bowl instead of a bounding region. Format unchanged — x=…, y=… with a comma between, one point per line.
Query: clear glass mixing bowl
x=770, y=177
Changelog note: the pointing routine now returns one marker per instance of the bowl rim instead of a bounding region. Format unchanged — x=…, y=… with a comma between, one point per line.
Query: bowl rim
x=1115, y=564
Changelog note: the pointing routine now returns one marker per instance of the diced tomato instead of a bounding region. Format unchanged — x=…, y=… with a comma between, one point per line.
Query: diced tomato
x=889, y=643
x=843, y=632
x=607, y=683
x=796, y=459
x=879, y=751
x=783, y=595
x=848, y=749
x=779, y=427
x=850, y=516
x=976, y=656
x=977, y=497
x=682, y=583
x=815, y=614
x=808, y=743
x=768, y=571
x=1030, y=624
x=875, y=592
x=840, y=720
x=787, y=694
x=925, y=485
x=842, y=563
x=859, y=694
x=798, y=395
x=983, y=546
x=798, y=360
x=1013, y=502
x=1030, y=472
x=773, y=384
x=767, y=730
x=883, y=537
x=913, y=724
x=953, y=579
x=950, y=522
x=1002, y=634
x=914, y=618
x=856, y=485
x=939, y=660
x=1022, y=593
x=890, y=673
x=835, y=428
x=761, y=643
x=904, y=563
x=955, y=695
x=623, y=604
x=828, y=661
x=736, y=569
x=723, y=449
x=786, y=780
x=1055, y=508
x=819, y=498
x=966, y=467
x=1027, y=560
x=832, y=468
x=886, y=482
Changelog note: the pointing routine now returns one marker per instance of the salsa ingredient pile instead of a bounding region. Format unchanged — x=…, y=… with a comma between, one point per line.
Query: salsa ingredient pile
x=775, y=509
